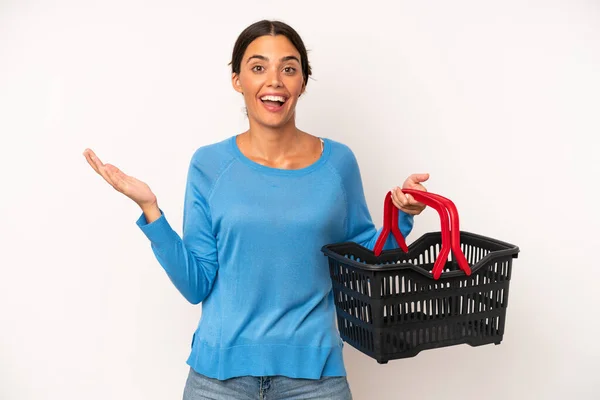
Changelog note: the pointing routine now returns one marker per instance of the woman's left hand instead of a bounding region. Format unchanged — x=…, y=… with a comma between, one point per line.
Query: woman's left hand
x=406, y=202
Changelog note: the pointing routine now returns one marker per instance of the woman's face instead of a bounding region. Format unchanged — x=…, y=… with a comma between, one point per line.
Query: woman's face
x=271, y=81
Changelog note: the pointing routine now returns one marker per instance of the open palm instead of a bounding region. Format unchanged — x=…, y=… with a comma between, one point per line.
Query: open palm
x=131, y=187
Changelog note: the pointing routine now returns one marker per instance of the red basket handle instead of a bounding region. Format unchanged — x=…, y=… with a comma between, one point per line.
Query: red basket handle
x=450, y=234
x=390, y=222
x=454, y=227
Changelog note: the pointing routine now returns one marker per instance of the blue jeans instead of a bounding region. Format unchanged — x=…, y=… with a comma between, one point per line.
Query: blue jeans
x=200, y=387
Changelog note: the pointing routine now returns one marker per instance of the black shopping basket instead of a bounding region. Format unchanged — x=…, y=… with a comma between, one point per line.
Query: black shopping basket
x=446, y=288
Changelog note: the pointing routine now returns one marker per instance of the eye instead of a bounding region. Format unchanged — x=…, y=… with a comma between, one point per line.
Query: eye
x=257, y=68
x=289, y=70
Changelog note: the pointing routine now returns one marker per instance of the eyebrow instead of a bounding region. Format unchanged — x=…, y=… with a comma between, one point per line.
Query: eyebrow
x=283, y=59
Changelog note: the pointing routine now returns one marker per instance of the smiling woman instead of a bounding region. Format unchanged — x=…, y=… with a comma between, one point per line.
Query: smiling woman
x=258, y=208
x=270, y=69
x=274, y=82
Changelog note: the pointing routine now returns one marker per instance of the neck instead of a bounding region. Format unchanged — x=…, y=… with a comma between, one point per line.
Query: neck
x=272, y=143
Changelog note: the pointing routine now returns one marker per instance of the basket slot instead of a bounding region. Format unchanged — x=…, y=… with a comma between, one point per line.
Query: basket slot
x=405, y=340
x=492, y=273
x=428, y=256
x=356, y=334
x=482, y=328
x=402, y=341
x=442, y=307
x=474, y=254
x=350, y=278
x=394, y=285
x=395, y=343
x=353, y=307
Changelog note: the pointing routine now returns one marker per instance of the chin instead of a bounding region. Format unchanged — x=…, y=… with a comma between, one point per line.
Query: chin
x=274, y=123
x=272, y=126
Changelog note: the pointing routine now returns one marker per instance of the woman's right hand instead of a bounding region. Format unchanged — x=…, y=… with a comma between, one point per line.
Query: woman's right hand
x=131, y=187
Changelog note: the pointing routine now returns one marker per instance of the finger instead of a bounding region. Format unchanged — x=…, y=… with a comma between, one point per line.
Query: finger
x=90, y=160
x=414, y=209
x=115, y=177
x=410, y=210
x=412, y=182
x=419, y=177
x=400, y=206
x=104, y=170
x=396, y=204
x=414, y=186
x=121, y=179
x=412, y=202
x=95, y=162
x=124, y=181
x=398, y=196
x=92, y=156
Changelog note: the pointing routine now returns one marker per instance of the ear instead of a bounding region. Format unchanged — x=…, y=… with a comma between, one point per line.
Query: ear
x=235, y=82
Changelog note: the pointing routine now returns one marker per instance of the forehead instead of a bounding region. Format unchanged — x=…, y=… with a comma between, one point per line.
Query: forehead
x=272, y=47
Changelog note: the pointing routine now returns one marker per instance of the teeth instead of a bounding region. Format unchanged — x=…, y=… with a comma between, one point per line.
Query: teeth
x=274, y=98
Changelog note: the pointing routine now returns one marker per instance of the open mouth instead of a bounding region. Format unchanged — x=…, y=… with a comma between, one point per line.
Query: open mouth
x=273, y=102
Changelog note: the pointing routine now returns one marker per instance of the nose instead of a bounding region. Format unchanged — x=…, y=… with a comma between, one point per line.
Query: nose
x=273, y=79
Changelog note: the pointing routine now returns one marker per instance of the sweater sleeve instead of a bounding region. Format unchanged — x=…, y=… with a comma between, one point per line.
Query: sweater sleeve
x=190, y=262
x=359, y=225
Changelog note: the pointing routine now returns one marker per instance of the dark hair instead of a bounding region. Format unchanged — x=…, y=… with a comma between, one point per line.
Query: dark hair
x=272, y=28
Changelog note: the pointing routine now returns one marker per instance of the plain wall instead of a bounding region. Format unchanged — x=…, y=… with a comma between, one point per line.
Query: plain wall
x=498, y=101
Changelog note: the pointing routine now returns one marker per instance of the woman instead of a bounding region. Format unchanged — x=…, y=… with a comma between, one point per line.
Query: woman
x=258, y=208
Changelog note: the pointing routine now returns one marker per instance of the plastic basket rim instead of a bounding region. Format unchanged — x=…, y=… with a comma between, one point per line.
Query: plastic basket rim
x=510, y=250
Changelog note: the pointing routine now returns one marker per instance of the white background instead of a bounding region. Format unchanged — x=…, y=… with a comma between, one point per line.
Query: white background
x=498, y=101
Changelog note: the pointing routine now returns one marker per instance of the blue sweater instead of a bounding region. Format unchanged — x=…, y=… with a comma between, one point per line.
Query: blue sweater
x=251, y=252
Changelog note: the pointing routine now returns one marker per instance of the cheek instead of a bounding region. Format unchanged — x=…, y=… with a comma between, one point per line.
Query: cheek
x=249, y=86
x=249, y=95
x=296, y=88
